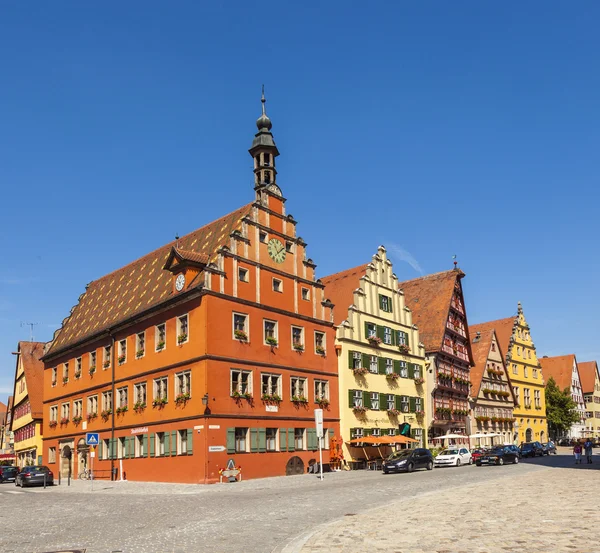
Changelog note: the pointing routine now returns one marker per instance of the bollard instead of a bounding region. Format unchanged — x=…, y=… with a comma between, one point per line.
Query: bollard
x=59, y=477
x=44, y=480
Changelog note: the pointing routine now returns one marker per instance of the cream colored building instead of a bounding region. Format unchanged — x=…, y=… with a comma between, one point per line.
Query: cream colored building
x=590, y=383
x=381, y=360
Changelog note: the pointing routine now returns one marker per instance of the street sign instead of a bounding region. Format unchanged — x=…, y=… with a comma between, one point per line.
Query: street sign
x=214, y=448
x=92, y=438
x=319, y=422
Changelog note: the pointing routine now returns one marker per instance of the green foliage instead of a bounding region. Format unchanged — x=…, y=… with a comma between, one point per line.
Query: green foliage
x=561, y=410
x=435, y=451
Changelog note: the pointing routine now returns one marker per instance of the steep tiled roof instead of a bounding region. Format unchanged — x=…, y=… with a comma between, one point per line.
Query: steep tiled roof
x=429, y=299
x=481, y=349
x=339, y=289
x=142, y=284
x=31, y=352
x=587, y=373
x=560, y=368
x=2, y=412
x=503, y=328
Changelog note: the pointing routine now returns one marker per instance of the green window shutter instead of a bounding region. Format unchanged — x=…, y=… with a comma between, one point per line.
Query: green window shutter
x=350, y=359
x=174, y=442
x=189, y=441
x=291, y=446
x=396, y=366
x=145, y=445
x=406, y=338
x=394, y=341
x=254, y=440
x=262, y=440
x=165, y=444
x=366, y=330
x=366, y=360
x=350, y=398
x=99, y=449
x=114, y=448
x=381, y=365
x=390, y=308
x=282, y=439
x=411, y=370
x=367, y=400
x=230, y=440
x=384, y=431
x=412, y=404
x=398, y=402
x=152, y=444
x=380, y=301
x=367, y=431
x=380, y=332
x=331, y=433
x=312, y=439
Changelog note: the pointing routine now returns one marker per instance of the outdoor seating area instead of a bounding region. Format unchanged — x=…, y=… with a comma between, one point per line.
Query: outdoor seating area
x=375, y=450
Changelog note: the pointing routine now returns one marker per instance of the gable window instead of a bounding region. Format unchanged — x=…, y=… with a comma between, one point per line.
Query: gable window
x=298, y=387
x=262, y=236
x=375, y=400
x=306, y=294
x=243, y=274
x=321, y=389
x=140, y=344
x=182, y=329
x=240, y=326
x=319, y=342
x=241, y=440
x=183, y=383
x=493, y=346
x=107, y=401
x=385, y=303
x=78, y=367
x=270, y=384
x=387, y=335
x=297, y=337
x=106, y=355
x=271, y=436
x=373, y=364
x=357, y=398
x=389, y=366
x=277, y=285
x=160, y=391
x=160, y=337
x=371, y=330
x=122, y=351
x=92, y=405
x=241, y=382
x=270, y=333
x=139, y=391
x=122, y=397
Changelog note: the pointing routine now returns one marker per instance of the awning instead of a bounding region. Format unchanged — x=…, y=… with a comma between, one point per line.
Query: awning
x=451, y=437
x=480, y=435
x=381, y=440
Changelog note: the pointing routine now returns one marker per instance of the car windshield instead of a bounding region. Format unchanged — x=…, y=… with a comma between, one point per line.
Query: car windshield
x=497, y=451
x=35, y=469
x=9, y=470
x=527, y=446
x=449, y=452
x=400, y=454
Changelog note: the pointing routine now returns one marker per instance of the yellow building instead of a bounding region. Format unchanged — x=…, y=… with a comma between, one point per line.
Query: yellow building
x=380, y=359
x=525, y=375
x=26, y=414
x=590, y=383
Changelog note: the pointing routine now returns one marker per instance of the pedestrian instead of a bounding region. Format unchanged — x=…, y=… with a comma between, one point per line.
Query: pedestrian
x=577, y=453
x=587, y=446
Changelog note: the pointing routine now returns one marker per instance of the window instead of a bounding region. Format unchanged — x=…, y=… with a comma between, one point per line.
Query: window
x=299, y=438
x=241, y=382
x=389, y=366
x=106, y=401
x=515, y=368
x=385, y=303
x=140, y=344
x=357, y=398
x=139, y=393
x=54, y=413
x=527, y=397
x=402, y=338
x=78, y=367
x=356, y=433
x=321, y=389
x=534, y=373
x=106, y=355
x=65, y=372
x=404, y=404
x=387, y=335
x=78, y=408
x=375, y=400
x=371, y=330
x=160, y=337
x=160, y=388
x=517, y=399
x=536, y=398
x=391, y=402
x=529, y=354
x=391, y=431
x=270, y=331
x=493, y=346
x=417, y=369
x=270, y=384
x=403, y=369
x=182, y=329
x=373, y=364
x=183, y=383
x=319, y=342
x=54, y=376
x=182, y=442
x=160, y=444
x=267, y=158
x=277, y=285
x=64, y=411
x=122, y=351
x=271, y=439
x=52, y=455
x=140, y=450
x=241, y=440
x=92, y=405
x=298, y=387
x=297, y=337
x=419, y=404
x=518, y=350
x=356, y=360
x=525, y=372
x=306, y=294
x=240, y=326
x=122, y=397
x=243, y=274
x=262, y=236
x=121, y=448
x=288, y=247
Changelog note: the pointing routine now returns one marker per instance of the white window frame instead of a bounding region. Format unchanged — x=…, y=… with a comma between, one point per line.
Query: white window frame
x=357, y=360
x=357, y=398
x=122, y=351
x=373, y=364
x=183, y=383
x=78, y=367
x=277, y=285
x=302, y=341
x=92, y=360
x=305, y=294
x=66, y=371
x=375, y=401
x=243, y=274
x=275, y=331
x=299, y=438
x=158, y=392
x=123, y=393
x=403, y=369
x=158, y=338
x=54, y=413
x=387, y=336
x=78, y=408
x=238, y=439
x=324, y=340
x=54, y=376
x=298, y=386
x=391, y=402
x=371, y=330
x=140, y=344
x=274, y=439
x=183, y=327
x=239, y=381
x=92, y=405
x=182, y=442
x=107, y=401
x=389, y=366
x=139, y=446
x=245, y=329
x=65, y=409
x=386, y=302
x=404, y=404
x=321, y=389
x=106, y=357
x=138, y=389
x=272, y=388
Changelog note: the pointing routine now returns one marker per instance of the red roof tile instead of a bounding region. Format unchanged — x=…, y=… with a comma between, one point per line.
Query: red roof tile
x=587, y=373
x=429, y=299
x=339, y=289
x=140, y=285
x=503, y=328
x=560, y=368
x=31, y=353
x=481, y=349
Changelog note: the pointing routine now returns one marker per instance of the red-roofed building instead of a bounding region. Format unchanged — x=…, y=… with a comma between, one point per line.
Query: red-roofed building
x=590, y=384
x=438, y=309
x=207, y=352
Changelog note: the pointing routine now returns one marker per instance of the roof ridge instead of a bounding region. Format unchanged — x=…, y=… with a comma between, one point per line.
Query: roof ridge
x=339, y=273
x=432, y=275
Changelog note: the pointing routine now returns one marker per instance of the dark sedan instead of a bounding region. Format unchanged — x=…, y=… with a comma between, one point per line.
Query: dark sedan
x=407, y=460
x=549, y=448
x=514, y=449
x=532, y=449
x=8, y=474
x=34, y=476
x=498, y=456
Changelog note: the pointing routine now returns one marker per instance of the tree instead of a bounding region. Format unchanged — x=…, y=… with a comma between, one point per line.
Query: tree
x=561, y=410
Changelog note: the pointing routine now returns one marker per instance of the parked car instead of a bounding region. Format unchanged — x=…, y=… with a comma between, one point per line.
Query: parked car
x=477, y=453
x=531, y=449
x=408, y=460
x=34, y=476
x=549, y=448
x=498, y=456
x=8, y=474
x=514, y=449
x=453, y=456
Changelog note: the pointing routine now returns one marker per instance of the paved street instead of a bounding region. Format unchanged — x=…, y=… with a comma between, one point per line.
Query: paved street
x=421, y=511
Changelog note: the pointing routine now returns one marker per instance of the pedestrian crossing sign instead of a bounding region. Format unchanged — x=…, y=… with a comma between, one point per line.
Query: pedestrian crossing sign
x=92, y=438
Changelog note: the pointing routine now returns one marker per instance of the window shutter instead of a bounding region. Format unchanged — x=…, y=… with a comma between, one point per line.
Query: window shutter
x=190, y=441
x=262, y=440
x=398, y=402
x=312, y=438
x=174, y=442
x=230, y=440
x=99, y=449
x=145, y=445
x=380, y=301
x=290, y=440
x=367, y=400
x=128, y=445
x=381, y=365
x=396, y=366
x=390, y=309
x=380, y=332
x=331, y=433
x=350, y=398
x=254, y=440
x=406, y=338
x=413, y=404
x=350, y=359
x=282, y=439
x=113, y=448
x=366, y=360
x=367, y=432
x=165, y=445
x=411, y=370
x=366, y=330
x=152, y=444
x=384, y=431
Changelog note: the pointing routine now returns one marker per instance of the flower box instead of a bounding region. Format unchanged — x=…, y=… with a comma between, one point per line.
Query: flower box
x=420, y=380
x=359, y=410
x=64, y=420
x=159, y=402
x=54, y=383
x=52, y=424
x=121, y=410
x=482, y=419
x=393, y=412
x=92, y=370
x=182, y=399
x=360, y=370
x=106, y=364
x=299, y=399
x=121, y=359
x=240, y=335
x=139, y=406
x=271, y=342
x=78, y=374
x=139, y=353
x=76, y=420
x=403, y=348
x=271, y=398
x=392, y=376
x=105, y=414
x=322, y=402
x=320, y=350
x=65, y=379
x=420, y=413
x=298, y=347
x=160, y=346
x=374, y=340
x=91, y=416
x=182, y=338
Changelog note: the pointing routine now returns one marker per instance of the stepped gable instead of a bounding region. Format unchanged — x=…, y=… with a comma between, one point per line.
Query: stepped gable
x=560, y=368
x=481, y=350
x=587, y=374
x=503, y=328
x=429, y=300
x=142, y=284
x=31, y=353
x=339, y=290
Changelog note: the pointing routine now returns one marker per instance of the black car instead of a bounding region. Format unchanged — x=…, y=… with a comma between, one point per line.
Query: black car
x=514, y=449
x=549, y=448
x=8, y=474
x=34, y=476
x=532, y=449
x=408, y=460
x=498, y=456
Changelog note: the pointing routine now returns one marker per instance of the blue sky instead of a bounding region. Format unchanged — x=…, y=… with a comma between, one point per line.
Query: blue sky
x=435, y=129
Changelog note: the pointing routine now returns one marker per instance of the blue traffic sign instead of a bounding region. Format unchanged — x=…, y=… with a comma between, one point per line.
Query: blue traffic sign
x=92, y=438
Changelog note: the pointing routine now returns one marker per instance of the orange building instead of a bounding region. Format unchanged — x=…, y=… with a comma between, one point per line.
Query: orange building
x=210, y=351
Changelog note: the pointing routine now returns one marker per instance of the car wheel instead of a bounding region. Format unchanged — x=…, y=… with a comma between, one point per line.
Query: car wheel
x=471, y=461
x=385, y=472
x=430, y=465
x=410, y=467
x=458, y=462
x=501, y=461
x=478, y=464
x=516, y=461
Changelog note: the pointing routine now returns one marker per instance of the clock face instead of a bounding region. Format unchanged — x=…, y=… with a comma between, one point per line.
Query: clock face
x=179, y=283
x=276, y=250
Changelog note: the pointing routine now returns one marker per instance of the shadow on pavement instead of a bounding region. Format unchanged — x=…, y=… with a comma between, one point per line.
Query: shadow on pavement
x=564, y=459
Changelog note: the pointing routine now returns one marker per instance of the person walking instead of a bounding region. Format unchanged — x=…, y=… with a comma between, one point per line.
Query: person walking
x=577, y=453
x=588, y=446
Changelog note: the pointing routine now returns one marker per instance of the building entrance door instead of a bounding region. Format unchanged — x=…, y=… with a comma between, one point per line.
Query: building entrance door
x=528, y=435
x=294, y=466
x=83, y=457
x=66, y=453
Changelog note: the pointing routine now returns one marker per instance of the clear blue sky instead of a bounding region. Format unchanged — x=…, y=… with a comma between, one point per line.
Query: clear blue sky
x=463, y=128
